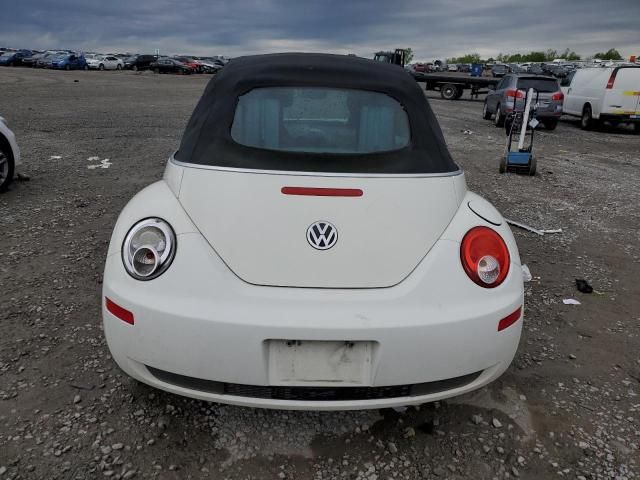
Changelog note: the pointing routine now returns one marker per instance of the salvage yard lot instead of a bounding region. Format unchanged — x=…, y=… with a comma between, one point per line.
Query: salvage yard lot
x=568, y=407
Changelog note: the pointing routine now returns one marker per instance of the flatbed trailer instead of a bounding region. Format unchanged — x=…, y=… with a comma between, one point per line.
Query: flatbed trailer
x=451, y=87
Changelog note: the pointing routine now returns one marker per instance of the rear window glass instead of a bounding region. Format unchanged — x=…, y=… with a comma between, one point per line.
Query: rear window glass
x=320, y=120
x=542, y=85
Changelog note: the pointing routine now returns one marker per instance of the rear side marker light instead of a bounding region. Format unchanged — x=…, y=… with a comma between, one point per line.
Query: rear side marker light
x=510, y=319
x=322, y=192
x=116, y=310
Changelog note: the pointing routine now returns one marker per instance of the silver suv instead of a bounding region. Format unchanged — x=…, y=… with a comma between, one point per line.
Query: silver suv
x=511, y=91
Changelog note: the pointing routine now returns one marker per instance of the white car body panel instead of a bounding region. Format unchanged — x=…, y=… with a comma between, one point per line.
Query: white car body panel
x=265, y=243
x=6, y=132
x=200, y=320
x=589, y=86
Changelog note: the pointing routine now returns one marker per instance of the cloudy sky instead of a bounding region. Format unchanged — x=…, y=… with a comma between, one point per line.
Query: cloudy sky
x=433, y=28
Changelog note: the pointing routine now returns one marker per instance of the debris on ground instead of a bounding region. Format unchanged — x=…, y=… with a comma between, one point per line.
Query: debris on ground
x=583, y=286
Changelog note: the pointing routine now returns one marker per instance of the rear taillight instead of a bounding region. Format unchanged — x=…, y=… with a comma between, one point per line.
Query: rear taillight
x=514, y=94
x=612, y=79
x=557, y=96
x=485, y=257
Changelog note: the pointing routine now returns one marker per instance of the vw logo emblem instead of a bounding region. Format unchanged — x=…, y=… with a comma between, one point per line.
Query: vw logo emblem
x=322, y=235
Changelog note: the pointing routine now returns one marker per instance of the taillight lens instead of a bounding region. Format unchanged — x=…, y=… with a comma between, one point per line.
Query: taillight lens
x=485, y=257
x=612, y=79
x=514, y=94
x=148, y=249
x=557, y=96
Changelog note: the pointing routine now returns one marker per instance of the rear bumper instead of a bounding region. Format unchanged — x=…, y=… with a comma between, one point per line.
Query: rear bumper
x=620, y=117
x=204, y=329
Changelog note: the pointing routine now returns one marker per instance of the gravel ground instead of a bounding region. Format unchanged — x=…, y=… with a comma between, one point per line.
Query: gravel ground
x=567, y=408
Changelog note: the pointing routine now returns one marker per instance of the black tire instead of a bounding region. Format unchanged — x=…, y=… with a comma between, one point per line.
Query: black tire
x=550, y=124
x=533, y=164
x=498, y=121
x=67, y=67
x=7, y=166
x=156, y=70
x=486, y=114
x=586, y=120
x=101, y=67
x=449, y=91
x=85, y=68
x=636, y=128
x=503, y=164
x=11, y=64
x=118, y=67
x=135, y=68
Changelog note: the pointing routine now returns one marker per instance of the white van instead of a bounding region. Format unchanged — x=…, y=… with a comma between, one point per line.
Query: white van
x=603, y=94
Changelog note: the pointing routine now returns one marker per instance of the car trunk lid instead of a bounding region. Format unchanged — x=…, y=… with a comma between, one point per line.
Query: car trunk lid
x=258, y=224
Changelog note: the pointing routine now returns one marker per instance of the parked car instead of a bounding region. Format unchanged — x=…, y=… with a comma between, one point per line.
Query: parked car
x=603, y=94
x=535, y=69
x=14, y=59
x=72, y=61
x=193, y=64
x=9, y=155
x=45, y=60
x=105, y=62
x=512, y=88
x=208, y=66
x=30, y=61
x=139, y=62
x=418, y=71
x=452, y=67
x=329, y=295
x=499, y=70
x=171, y=65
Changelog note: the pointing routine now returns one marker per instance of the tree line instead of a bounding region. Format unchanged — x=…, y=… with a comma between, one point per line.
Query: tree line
x=534, y=56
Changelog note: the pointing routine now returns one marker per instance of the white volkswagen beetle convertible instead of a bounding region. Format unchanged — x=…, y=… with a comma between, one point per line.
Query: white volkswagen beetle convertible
x=312, y=245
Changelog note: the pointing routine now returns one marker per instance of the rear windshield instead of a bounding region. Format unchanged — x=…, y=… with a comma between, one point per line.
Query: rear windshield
x=542, y=85
x=320, y=120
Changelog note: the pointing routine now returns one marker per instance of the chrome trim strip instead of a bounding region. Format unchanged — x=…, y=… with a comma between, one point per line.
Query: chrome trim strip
x=315, y=174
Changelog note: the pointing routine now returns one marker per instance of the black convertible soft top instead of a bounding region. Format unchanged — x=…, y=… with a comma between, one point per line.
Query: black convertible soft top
x=207, y=139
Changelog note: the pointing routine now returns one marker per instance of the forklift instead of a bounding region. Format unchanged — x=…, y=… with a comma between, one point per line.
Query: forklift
x=397, y=57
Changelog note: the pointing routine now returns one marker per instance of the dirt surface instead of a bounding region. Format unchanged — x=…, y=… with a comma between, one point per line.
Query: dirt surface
x=567, y=407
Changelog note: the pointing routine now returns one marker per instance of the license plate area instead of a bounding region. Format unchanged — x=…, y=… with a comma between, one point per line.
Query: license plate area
x=319, y=363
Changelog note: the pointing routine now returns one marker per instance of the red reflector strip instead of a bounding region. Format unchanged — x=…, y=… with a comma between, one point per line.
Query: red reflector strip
x=322, y=192
x=122, y=313
x=510, y=319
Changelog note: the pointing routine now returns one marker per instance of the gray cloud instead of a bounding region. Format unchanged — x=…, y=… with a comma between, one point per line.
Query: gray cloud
x=433, y=28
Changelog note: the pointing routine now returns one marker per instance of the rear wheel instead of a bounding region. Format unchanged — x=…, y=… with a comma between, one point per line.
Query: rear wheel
x=119, y=67
x=586, y=121
x=449, y=92
x=67, y=67
x=6, y=165
x=135, y=68
x=499, y=120
x=156, y=70
x=486, y=114
x=101, y=67
x=636, y=128
x=550, y=124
